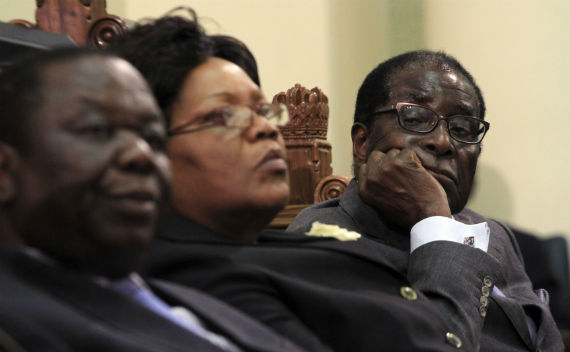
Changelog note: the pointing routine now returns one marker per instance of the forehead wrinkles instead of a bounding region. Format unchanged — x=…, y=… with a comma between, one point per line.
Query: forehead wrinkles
x=104, y=81
x=68, y=80
x=423, y=84
x=91, y=74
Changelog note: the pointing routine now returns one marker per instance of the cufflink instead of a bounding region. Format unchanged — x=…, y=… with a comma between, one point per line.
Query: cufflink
x=469, y=241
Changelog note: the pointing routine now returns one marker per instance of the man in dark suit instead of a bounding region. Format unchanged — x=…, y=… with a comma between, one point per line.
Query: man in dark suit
x=417, y=133
x=83, y=175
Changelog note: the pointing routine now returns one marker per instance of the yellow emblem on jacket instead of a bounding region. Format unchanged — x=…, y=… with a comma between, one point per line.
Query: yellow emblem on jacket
x=324, y=230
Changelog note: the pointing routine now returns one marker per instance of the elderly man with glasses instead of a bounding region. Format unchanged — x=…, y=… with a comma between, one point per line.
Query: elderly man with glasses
x=417, y=133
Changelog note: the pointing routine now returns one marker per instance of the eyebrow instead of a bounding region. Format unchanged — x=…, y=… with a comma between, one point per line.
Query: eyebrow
x=101, y=105
x=218, y=94
x=418, y=97
x=465, y=110
x=459, y=108
x=255, y=95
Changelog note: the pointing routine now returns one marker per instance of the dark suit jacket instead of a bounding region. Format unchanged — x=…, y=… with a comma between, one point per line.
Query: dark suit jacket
x=505, y=327
x=325, y=294
x=49, y=308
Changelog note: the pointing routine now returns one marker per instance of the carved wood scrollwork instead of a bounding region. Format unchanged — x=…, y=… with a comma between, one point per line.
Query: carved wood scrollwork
x=86, y=22
x=330, y=187
x=23, y=23
x=105, y=29
x=308, y=111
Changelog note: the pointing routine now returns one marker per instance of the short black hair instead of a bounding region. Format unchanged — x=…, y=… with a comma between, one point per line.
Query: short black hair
x=376, y=88
x=234, y=50
x=165, y=51
x=22, y=91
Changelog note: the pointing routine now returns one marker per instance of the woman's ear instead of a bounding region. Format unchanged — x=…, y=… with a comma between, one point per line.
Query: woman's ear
x=359, y=134
x=9, y=160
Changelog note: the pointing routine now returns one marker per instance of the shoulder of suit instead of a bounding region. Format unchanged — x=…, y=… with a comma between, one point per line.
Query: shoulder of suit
x=325, y=211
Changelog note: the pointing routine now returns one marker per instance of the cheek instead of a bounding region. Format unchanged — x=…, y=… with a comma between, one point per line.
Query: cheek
x=209, y=159
x=390, y=141
x=66, y=165
x=164, y=170
x=469, y=158
x=467, y=167
x=387, y=135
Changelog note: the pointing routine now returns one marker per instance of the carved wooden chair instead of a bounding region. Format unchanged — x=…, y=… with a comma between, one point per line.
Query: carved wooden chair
x=87, y=22
x=308, y=151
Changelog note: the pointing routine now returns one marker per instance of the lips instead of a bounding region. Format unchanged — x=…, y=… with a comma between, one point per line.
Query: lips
x=442, y=174
x=273, y=160
x=135, y=199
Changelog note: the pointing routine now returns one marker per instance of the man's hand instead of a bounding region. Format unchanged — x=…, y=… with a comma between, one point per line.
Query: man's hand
x=400, y=189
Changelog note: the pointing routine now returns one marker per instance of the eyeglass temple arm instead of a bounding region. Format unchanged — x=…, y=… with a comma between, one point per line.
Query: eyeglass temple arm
x=384, y=109
x=181, y=129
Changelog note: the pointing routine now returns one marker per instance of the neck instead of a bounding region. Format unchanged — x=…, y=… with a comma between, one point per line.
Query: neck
x=241, y=226
x=7, y=232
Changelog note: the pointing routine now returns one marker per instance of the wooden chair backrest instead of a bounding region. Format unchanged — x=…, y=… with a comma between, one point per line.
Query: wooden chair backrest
x=308, y=151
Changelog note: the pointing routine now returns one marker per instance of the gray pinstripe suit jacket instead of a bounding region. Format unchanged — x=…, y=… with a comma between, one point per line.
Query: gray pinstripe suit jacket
x=504, y=326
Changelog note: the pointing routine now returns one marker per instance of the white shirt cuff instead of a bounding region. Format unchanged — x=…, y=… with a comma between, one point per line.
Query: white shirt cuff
x=440, y=228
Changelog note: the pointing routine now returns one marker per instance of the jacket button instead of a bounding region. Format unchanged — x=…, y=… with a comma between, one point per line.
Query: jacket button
x=485, y=291
x=408, y=293
x=487, y=281
x=483, y=311
x=484, y=301
x=453, y=340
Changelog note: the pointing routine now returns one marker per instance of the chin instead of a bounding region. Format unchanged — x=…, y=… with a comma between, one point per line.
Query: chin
x=127, y=237
x=278, y=195
x=455, y=200
x=268, y=204
x=456, y=205
x=120, y=263
x=272, y=204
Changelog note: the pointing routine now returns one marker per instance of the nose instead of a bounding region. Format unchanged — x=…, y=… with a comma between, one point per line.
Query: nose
x=136, y=155
x=261, y=129
x=438, y=141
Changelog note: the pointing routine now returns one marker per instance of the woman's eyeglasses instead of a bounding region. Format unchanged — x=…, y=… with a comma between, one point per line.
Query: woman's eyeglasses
x=235, y=116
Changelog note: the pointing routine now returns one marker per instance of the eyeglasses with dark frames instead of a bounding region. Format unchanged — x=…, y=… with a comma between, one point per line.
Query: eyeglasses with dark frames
x=235, y=117
x=419, y=119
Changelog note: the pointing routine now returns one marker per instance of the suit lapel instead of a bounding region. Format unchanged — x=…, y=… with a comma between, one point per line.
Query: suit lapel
x=364, y=248
x=219, y=317
x=517, y=317
x=113, y=311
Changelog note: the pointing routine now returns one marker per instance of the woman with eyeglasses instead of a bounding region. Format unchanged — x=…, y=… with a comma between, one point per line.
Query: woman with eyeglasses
x=228, y=158
x=229, y=169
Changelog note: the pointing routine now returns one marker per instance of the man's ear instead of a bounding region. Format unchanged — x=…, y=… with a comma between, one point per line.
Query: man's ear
x=9, y=160
x=359, y=134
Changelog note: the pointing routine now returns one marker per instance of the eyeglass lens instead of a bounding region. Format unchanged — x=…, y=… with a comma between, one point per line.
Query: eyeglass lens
x=240, y=115
x=423, y=120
